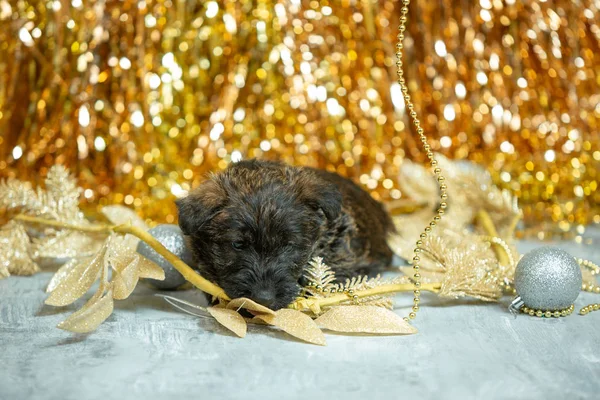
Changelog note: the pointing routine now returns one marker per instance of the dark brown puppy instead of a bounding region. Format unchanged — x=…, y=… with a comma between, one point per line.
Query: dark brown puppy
x=254, y=227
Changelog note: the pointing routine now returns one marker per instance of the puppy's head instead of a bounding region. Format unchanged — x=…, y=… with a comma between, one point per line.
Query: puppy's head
x=253, y=228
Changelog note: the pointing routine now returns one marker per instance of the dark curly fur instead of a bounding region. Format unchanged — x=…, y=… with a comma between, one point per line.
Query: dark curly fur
x=254, y=227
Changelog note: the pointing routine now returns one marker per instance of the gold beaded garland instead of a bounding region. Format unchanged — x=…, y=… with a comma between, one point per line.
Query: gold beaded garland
x=594, y=270
x=548, y=314
x=501, y=242
x=589, y=308
x=433, y=162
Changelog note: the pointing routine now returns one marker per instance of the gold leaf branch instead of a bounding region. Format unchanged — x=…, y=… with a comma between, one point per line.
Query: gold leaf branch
x=318, y=303
x=295, y=320
x=208, y=287
x=14, y=255
x=473, y=264
x=188, y=273
x=59, y=200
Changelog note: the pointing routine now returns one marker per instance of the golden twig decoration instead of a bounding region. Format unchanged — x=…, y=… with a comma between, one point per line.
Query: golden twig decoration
x=51, y=225
x=465, y=263
x=311, y=303
x=14, y=255
x=188, y=273
x=324, y=291
x=77, y=276
x=196, y=279
x=470, y=189
x=59, y=200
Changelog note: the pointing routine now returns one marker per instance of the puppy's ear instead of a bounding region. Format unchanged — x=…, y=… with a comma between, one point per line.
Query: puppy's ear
x=200, y=206
x=321, y=194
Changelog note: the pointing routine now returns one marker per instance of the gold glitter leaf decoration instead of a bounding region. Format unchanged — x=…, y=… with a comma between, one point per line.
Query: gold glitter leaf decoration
x=61, y=274
x=126, y=264
x=126, y=279
x=14, y=251
x=230, y=319
x=74, y=278
x=120, y=253
x=296, y=324
x=3, y=269
x=148, y=269
x=91, y=315
x=248, y=304
x=64, y=244
x=129, y=266
x=364, y=319
x=118, y=214
x=78, y=281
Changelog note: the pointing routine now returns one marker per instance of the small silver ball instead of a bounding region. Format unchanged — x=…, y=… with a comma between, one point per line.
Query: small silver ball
x=172, y=238
x=548, y=278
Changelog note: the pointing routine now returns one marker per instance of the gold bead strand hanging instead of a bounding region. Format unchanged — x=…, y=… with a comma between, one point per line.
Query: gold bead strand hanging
x=434, y=164
x=589, y=287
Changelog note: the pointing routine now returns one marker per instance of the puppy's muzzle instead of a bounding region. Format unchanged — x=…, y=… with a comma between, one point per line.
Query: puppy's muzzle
x=265, y=297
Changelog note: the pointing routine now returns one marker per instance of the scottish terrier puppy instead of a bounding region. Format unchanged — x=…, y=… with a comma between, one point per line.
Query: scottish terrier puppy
x=254, y=227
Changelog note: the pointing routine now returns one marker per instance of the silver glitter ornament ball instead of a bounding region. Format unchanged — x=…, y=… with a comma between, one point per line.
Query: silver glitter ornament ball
x=171, y=237
x=548, y=279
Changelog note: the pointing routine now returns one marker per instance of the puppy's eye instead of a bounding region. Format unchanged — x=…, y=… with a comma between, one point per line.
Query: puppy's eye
x=317, y=208
x=239, y=245
x=319, y=211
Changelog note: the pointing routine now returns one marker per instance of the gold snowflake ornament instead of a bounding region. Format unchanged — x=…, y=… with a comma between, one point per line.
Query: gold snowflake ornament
x=23, y=248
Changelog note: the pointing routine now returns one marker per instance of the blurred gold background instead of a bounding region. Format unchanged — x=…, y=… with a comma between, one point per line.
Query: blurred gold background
x=141, y=98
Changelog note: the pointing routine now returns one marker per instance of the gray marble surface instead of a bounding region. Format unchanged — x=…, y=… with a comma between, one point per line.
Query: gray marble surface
x=147, y=350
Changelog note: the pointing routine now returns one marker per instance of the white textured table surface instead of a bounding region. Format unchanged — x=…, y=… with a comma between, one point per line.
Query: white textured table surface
x=148, y=350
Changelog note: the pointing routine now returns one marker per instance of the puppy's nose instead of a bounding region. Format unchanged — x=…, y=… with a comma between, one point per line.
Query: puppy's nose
x=265, y=297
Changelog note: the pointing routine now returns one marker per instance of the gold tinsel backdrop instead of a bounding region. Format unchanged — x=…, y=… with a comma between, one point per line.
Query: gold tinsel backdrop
x=141, y=98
